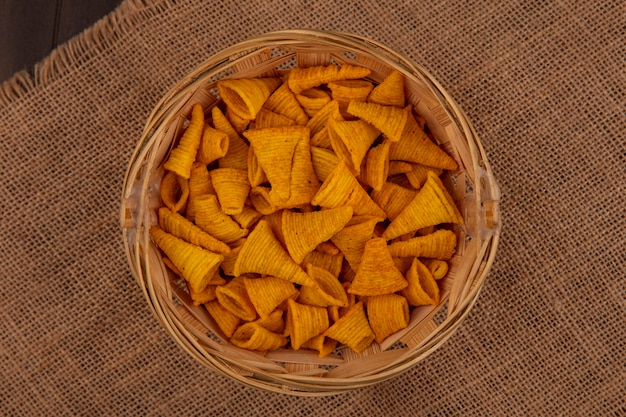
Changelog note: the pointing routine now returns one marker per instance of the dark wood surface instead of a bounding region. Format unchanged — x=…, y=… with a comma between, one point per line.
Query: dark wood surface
x=31, y=29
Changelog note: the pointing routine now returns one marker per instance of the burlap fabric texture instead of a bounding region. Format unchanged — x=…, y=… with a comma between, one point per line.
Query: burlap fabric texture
x=543, y=82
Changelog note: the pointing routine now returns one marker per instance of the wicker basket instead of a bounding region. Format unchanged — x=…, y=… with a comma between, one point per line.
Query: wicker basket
x=302, y=372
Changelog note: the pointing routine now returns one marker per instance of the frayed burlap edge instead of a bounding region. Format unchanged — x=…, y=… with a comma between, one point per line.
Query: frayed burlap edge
x=91, y=42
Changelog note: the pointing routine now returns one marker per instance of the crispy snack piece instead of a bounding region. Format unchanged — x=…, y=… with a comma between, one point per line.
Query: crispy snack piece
x=273, y=322
x=437, y=267
x=344, y=91
x=331, y=263
x=256, y=175
x=232, y=188
x=400, y=167
x=422, y=289
x=303, y=232
x=196, y=265
x=341, y=188
x=327, y=292
x=351, y=139
x=377, y=166
x=390, y=92
x=263, y=254
x=392, y=198
x=352, y=329
x=324, y=161
x=267, y=118
x=419, y=173
x=304, y=322
x=268, y=293
x=204, y=296
x=390, y=120
x=253, y=336
x=318, y=124
x=228, y=264
x=431, y=206
x=387, y=314
x=184, y=154
x=352, y=238
x=324, y=345
x=199, y=183
x=301, y=79
x=234, y=297
x=415, y=146
x=247, y=218
x=238, y=123
x=377, y=273
x=246, y=96
x=211, y=218
x=313, y=100
x=174, y=191
x=179, y=226
x=236, y=156
x=226, y=321
x=285, y=156
x=284, y=102
x=439, y=245
x=214, y=145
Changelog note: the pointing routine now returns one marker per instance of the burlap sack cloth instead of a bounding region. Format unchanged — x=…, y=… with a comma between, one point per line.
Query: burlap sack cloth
x=544, y=84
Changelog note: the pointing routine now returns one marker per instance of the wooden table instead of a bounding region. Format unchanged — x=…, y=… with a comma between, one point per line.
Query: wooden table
x=31, y=29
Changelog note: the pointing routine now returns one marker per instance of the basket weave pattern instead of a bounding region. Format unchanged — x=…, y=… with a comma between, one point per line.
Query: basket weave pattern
x=302, y=372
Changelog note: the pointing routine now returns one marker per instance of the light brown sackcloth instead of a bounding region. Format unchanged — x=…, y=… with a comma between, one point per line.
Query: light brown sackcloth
x=544, y=84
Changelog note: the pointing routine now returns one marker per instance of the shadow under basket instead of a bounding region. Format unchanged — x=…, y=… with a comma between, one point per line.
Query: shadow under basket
x=302, y=372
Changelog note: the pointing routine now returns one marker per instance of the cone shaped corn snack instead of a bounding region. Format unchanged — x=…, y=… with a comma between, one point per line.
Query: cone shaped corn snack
x=377, y=273
x=313, y=100
x=268, y=293
x=226, y=321
x=437, y=267
x=387, y=314
x=390, y=92
x=351, y=239
x=301, y=79
x=392, y=198
x=214, y=145
x=234, y=297
x=422, y=288
x=324, y=161
x=231, y=187
x=439, y=245
x=246, y=96
x=327, y=292
x=304, y=322
x=304, y=231
x=174, y=191
x=283, y=101
x=432, y=205
x=377, y=166
x=199, y=184
x=351, y=140
x=352, y=329
x=179, y=226
x=390, y=120
x=184, y=154
x=197, y=265
x=263, y=254
x=253, y=336
x=237, y=153
x=211, y=218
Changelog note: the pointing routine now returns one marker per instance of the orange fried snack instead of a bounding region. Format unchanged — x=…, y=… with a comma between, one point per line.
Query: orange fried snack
x=284, y=102
x=352, y=238
x=414, y=146
x=387, y=314
x=253, y=336
x=174, y=191
x=327, y=292
x=392, y=198
x=246, y=96
x=199, y=183
x=263, y=254
x=324, y=161
x=341, y=188
x=184, y=154
x=437, y=267
x=197, y=265
x=179, y=226
x=234, y=297
x=439, y=245
x=267, y=293
x=377, y=166
x=213, y=146
x=237, y=153
x=422, y=288
x=390, y=92
x=431, y=206
x=301, y=79
x=226, y=321
x=303, y=232
x=352, y=329
x=211, y=218
x=377, y=273
x=231, y=187
x=304, y=322
x=390, y=120
x=351, y=140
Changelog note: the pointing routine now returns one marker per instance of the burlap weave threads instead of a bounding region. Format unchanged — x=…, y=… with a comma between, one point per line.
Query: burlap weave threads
x=543, y=85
